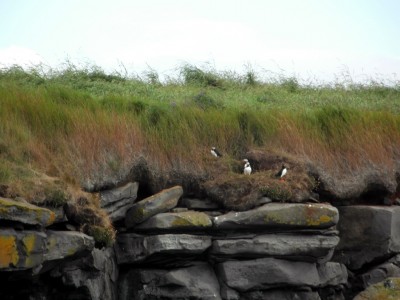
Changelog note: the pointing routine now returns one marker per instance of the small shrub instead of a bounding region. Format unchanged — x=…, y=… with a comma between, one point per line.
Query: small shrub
x=56, y=197
x=137, y=106
x=204, y=101
x=195, y=76
x=99, y=75
x=17, y=74
x=276, y=192
x=103, y=236
x=152, y=77
x=290, y=84
x=251, y=78
x=154, y=115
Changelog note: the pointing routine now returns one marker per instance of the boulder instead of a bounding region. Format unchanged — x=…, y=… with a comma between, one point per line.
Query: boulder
x=94, y=275
x=25, y=213
x=188, y=220
x=28, y=249
x=367, y=234
x=195, y=282
x=266, y=273
x=116, y=202
x=313, y=248
x=388, y=289
x=281, y=215
x=133, y=248
x=21, y=250
x=158, y=203
x=61, y=244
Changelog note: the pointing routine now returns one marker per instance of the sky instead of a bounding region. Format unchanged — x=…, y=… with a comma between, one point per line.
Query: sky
x=314, y=40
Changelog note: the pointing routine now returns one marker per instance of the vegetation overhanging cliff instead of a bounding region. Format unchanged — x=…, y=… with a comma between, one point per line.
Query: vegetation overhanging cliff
x=63, y=130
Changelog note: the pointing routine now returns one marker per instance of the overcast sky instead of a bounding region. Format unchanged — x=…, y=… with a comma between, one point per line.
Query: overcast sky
x=305, y=38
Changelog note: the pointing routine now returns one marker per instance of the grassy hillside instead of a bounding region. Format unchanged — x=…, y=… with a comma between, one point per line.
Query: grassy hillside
x=83, y=124
x=64, y=130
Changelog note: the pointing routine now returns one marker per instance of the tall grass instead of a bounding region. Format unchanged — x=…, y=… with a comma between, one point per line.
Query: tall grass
x=81, y=124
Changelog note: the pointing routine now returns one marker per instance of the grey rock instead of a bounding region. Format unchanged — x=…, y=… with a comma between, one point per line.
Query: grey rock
x=59, y=213
x=213, y=213
x=200, y=204
x=195, y=283
x=188, y=220
x=281, y=215
x=179, y=209
x=21, y=250
x=263, y=200
x=71, y=227
x=19, y=211
x=266, y=273
x=367, y=234
x=387, y=201
x=61, y=244
x=28, y=249
x=95, y=274
x=390, y=268
x=332, y=293
x=229, y=294
x=116, y=202
x=158, y=203
x=133, y=248
x=314, y=248
x=332, y=274
x=282, y=294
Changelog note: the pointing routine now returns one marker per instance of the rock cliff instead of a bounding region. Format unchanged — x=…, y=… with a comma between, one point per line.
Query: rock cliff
x=171, y=246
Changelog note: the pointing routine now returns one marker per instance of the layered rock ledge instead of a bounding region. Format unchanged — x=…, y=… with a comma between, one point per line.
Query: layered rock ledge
x=173, y=248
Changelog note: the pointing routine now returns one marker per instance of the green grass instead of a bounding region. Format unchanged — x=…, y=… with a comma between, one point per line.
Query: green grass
x=76, y=122
x=78, y=127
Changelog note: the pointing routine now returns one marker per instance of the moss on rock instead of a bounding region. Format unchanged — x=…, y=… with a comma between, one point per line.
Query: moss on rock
x=26, y=213
x=389, y=289
x=191, y=219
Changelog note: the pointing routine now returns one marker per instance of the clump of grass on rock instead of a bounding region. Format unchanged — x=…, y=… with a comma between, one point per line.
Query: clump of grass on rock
x=234, y=190
x=92, y=220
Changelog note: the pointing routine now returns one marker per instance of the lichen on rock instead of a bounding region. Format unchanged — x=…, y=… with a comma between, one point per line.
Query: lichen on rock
x=25, y=213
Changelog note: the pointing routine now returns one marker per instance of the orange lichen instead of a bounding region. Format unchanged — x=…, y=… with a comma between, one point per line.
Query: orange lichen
x=29, y=243
x=8, y=251
x=52, y=218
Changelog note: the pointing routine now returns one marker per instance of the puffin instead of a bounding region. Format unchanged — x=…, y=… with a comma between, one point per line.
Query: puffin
x=247, y=167
x=215, y=152
x=282, y=172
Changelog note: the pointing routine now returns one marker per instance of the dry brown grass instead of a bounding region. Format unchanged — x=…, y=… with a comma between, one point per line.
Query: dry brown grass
x=86, y=212
x=233, y=190
x=91, y=146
